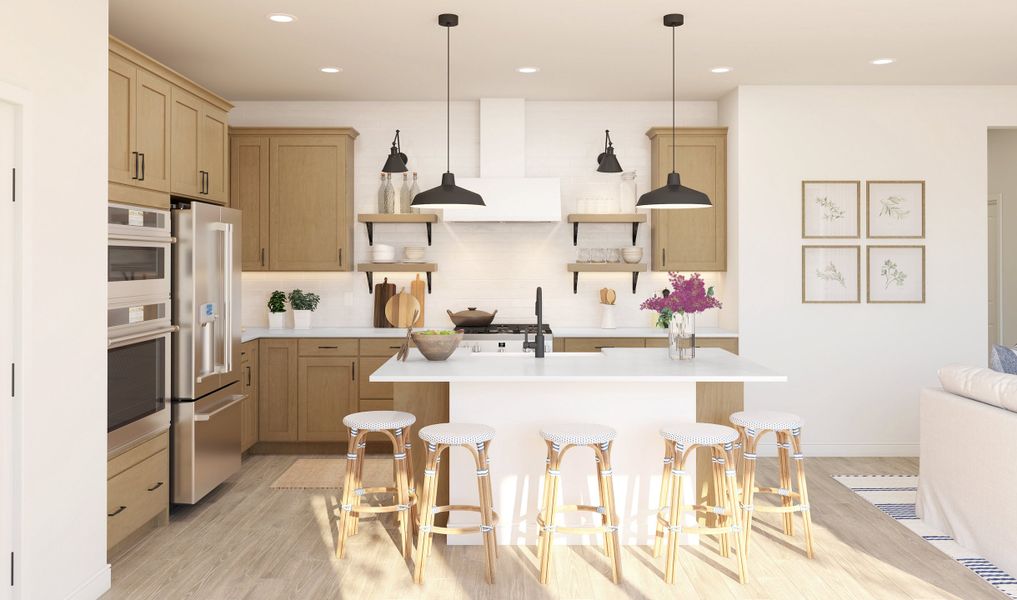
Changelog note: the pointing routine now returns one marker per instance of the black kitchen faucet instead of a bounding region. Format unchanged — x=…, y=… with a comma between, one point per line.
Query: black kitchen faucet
x=538, y=339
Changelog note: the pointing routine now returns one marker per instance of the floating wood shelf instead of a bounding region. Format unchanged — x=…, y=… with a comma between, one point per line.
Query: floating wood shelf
x=371, y=268
x=634, y=218
x=371, y=219
x=622, y=267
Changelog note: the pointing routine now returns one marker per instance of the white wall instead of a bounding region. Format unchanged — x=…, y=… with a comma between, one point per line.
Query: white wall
x=855, y=370
x=56, y=50
x=1003, y=180
x=489, y=265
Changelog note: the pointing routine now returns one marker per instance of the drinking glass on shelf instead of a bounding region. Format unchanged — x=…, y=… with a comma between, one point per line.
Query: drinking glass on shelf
x=613, y=255
x=583, y=255
x=597, y=255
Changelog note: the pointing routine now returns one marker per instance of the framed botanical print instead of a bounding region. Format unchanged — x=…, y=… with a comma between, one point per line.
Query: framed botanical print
x=896, y=274
x=895, y=209
x=830, y=209
x=831, y=274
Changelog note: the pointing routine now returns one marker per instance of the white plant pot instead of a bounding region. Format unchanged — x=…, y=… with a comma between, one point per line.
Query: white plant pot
x=276, y=320
x=607, y=316
x=302, y=319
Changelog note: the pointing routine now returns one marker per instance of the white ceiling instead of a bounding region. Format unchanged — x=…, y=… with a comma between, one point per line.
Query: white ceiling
x=586, y=49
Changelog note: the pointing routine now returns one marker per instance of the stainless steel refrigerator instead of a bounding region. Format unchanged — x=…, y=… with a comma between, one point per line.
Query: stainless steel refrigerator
x=206, y=349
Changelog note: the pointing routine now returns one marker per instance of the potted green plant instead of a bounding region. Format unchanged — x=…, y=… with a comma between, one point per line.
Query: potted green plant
x=277, y=310
x=303, y=304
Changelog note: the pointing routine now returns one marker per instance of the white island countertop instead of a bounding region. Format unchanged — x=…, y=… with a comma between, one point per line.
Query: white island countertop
x=255, y=333
x=609, y=365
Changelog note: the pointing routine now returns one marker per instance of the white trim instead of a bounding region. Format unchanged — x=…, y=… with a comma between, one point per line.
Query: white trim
x=997, y=200
x=95, y=586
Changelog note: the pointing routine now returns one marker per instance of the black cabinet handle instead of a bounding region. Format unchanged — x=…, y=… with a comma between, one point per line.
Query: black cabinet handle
x=340, y=257
x=248, y=376
x=135, y=155
x=328, y=347
x=155, y=487
x=663, y=257
x=263, y=257
x=602, y=347
x=142, y=178
x=394, y=347
x=353, y=372
x=116, y=512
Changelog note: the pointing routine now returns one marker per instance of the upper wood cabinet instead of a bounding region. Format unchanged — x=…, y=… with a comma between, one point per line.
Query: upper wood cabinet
x=295, y=187
x=691, y=239
x=167, y=135
x=139, y=126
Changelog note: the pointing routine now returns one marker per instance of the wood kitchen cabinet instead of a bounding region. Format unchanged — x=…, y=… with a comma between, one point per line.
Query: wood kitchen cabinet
x=563, y=344
x=327, y=393
x=167, y=135
x=200, y=150
x=249, y=386
x=295, y=187
x=692, y=239
x=137, y=493
x=277, y=392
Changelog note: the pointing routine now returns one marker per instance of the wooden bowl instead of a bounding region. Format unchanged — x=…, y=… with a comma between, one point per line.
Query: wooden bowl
x=437, y=347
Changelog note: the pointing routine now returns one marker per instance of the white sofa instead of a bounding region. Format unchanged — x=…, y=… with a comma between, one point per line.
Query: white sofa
x=967, y=486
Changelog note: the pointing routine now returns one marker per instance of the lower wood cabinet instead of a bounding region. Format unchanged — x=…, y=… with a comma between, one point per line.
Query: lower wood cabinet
x=137, y=491
x=249, y=386
x=277, y=393
x=327, y=392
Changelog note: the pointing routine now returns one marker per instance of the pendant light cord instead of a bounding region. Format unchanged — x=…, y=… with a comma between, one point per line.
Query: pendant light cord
x=674, y=100
x=448, y=99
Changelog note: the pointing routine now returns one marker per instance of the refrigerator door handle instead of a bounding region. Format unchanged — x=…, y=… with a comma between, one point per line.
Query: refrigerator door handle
x=226, y=314
x=199, y=417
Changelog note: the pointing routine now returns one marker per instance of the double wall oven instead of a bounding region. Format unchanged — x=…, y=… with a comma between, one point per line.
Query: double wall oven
x=139, y=325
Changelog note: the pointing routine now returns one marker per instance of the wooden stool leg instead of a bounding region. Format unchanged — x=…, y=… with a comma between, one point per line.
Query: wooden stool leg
x=719, y=497
x=486, y=519
x=426, y=512
x=346, y=502
x=735, y=520
x=748, y=484
x=490, y=495
x=403, y=494
x=361, y=447
x=783, y=458
x=674, y=520
x=796, y=443
x=545, y=504
x=412, y=481
x=550, y=513
x=602, y=499
x=665, y=495
x=610, y=510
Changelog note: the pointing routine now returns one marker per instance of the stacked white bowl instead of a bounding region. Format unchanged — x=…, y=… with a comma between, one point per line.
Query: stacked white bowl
x=382, y=253
x=413, y=254
x=632, y=254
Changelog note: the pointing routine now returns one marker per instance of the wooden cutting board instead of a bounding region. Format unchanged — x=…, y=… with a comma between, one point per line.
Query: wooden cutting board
x=401, y=309
x=383, y=292
x=418, y=288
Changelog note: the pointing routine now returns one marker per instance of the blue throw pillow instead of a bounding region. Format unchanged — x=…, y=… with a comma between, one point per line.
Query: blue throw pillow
x=1004, y=359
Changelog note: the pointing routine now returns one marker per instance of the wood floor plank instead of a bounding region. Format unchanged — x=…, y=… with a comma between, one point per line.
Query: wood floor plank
x=247, y=541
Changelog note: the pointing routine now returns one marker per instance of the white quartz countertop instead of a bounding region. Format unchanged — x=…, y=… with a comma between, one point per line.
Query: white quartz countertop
x=254, y=333
x=611, y=364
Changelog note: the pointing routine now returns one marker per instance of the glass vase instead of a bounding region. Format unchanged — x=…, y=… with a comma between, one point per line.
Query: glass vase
x=681, y=337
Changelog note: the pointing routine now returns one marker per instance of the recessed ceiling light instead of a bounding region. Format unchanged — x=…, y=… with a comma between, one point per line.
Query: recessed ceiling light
x=721, y=70
x=527, y=69
x=331, y=70
x=883, y=61
x=281, y=18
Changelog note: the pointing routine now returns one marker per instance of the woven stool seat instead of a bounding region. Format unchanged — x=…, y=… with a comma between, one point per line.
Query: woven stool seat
x=456, y=433
x=579, y=434
x=377, y=420
x=699, y=434
x=766, y=420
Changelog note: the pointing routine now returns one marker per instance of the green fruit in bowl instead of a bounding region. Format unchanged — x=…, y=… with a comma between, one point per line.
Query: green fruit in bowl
x=436, y=332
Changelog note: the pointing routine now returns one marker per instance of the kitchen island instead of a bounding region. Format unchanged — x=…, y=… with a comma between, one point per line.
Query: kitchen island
x=634, y=390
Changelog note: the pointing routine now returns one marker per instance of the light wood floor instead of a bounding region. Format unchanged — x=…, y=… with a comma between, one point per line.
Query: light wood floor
x=247, y=541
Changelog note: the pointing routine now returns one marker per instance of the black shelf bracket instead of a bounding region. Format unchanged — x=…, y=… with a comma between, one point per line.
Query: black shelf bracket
x=575, y=234
x=370, y=233
x=428, y=225
x=635, y=279
x=428, y=279
x=635, y=231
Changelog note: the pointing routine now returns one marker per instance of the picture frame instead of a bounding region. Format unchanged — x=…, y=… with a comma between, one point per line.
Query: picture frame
x=895, y=209
x=895, y=274
x=831, y=274
x=831, y=209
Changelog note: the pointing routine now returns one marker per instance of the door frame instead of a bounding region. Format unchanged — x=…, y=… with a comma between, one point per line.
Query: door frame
x=12, y=220
x=997, y=200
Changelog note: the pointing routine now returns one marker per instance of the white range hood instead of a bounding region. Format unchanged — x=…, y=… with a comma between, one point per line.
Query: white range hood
x=508, y=194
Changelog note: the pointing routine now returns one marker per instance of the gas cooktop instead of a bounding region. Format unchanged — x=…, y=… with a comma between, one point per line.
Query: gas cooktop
x=505, y=329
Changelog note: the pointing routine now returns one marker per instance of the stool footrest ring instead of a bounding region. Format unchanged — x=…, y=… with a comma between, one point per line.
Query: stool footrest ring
x=385, y=508
x=461, y=530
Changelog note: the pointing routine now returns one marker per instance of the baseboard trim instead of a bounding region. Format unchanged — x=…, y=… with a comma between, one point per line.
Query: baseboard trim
x=767, y=448
x=96, y=586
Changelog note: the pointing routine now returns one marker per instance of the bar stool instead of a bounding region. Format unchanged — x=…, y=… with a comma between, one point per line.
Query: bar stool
x=476, y=439
x=396, y=426
x=679, y=443
x=787, y=427
x=560, y=439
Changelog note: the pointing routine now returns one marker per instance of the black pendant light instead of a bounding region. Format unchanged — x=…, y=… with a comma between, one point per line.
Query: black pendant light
x=607, y=162
x=674, y=194
x=396, y=162
x=448, y=194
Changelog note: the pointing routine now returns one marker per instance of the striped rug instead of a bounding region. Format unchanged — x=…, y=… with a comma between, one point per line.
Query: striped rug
x=896, y=495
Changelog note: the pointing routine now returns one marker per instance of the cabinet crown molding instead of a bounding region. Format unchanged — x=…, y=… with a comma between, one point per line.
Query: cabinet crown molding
x=686, y=131
x=353, y=133
x=141, y=59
